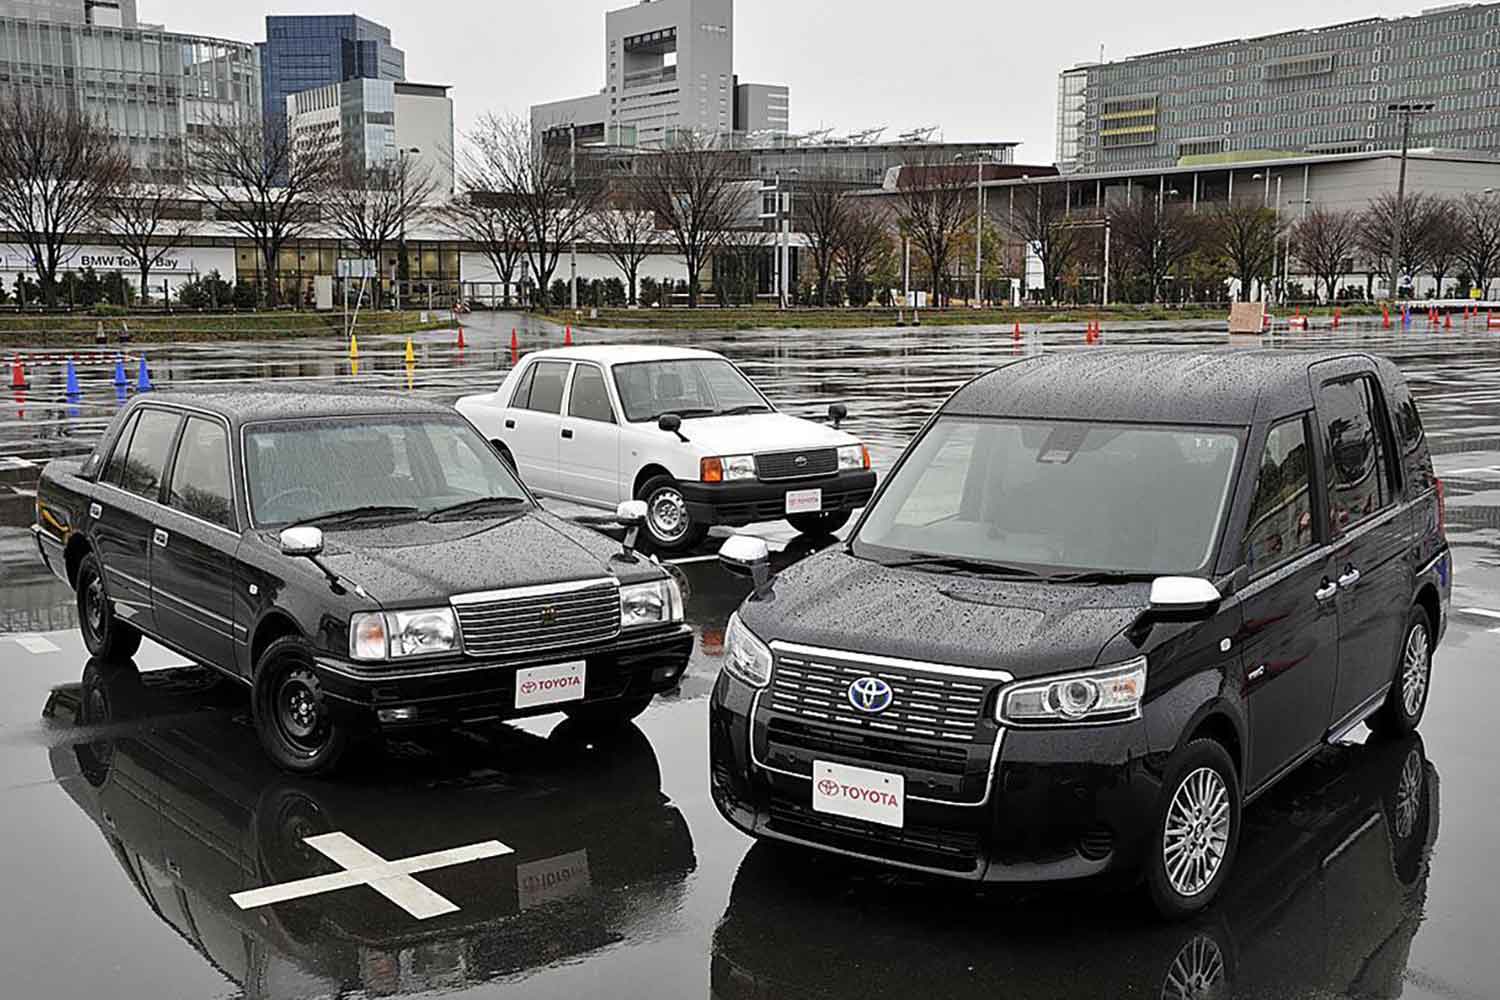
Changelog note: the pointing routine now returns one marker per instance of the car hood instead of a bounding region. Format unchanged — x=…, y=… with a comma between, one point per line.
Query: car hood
x=411, y=563
x=768, y=431
x=1027, y=629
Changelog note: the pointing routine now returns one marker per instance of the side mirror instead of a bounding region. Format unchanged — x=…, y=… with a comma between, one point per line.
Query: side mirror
x=1183, y=596
x=747, y=556
x=837, y=413
x=304, y=540
x=672, y=424
x=632, y=514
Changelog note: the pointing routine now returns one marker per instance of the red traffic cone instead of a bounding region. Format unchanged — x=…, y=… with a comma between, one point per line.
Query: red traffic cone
x=1016, y=333
x=1336, y=318
x=1447, y=321
x=17, y=374
x=1385, y=316
x=461, y=344
x=515, y=345
x=567, y=336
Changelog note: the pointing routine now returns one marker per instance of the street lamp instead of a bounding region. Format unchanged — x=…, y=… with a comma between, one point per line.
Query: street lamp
x=573, y=193
x=403, y=269
x=1276, y=240
x=978, y=159
x=1406, y=110
x=784, y=233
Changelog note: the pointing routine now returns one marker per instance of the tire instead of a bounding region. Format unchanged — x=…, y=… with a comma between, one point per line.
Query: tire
x=607, y=716
x=668, y=523
x=1407, y=700
x=1202, y=855
x=297, y=726
x=105, y=635
x=818, y=525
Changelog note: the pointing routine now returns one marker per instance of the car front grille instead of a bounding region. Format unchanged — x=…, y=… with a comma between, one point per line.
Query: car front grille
x=934, y=771
x=538, y=619
x=774, y=465
x=952, y=850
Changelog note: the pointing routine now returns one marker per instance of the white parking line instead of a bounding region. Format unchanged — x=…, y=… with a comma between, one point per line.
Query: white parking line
x=35, y=644
x=1482, y=613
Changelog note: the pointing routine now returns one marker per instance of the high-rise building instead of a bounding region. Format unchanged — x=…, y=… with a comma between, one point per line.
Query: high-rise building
x=302, y=52
x=106, y=13
x=1321, y=90
x=372, y=122
x=668, y=67
x=762, y=108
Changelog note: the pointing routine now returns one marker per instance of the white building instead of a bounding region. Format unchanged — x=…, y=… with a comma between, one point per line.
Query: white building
x=106, y=13
x=371, y=121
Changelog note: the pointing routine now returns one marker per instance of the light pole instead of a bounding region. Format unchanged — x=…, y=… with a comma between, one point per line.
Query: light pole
x=1276, y=238
x=402, y=267
x=573, y=193
x=784, y=233
x=978, y=223
x=1406, y=110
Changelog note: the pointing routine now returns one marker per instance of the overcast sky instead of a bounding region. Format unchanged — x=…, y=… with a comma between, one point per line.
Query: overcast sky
x=979, y=69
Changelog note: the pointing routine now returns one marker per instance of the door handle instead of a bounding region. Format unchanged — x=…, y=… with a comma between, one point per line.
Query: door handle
x=510, y=425
x=1350, y=577
x=95, y=511
x=160, y=538
x=567, y=433
x=1326, y=591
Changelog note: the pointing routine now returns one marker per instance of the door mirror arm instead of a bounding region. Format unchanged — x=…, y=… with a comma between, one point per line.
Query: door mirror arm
x=306, y=541
x=672, y=424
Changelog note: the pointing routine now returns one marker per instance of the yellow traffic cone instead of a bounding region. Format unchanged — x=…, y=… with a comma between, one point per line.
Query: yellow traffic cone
x=411, y=356
x=353, y=346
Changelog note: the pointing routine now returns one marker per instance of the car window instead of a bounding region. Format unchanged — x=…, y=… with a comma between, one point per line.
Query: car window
x=114, y=469
x=522, y=396
x=147, y=457
x=200, y=474
x=1281, y=525
x=590, y=398
x=547, y=387
x=687, y=386
x=1358, y=478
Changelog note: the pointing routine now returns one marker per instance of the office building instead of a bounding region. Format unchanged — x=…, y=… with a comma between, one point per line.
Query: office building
x=150, y=86
x=1321, y=90
x=761, y=108
x=105, y=13
x=371, y=121
x=668, y=68
x=302, y=52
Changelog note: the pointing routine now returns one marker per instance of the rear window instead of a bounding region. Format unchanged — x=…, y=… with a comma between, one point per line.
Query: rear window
x=546, y=387
x=147, y=457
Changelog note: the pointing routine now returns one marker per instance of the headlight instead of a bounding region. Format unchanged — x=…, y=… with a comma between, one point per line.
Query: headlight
x=1112, y=694
x=397, y=634
x=727, y=468
x=653, y=603
x=745, y=656
x=853, y=457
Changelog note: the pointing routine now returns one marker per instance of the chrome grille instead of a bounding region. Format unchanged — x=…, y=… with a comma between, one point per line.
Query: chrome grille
x=930, y=706
x=537, y=619
x=775, y=465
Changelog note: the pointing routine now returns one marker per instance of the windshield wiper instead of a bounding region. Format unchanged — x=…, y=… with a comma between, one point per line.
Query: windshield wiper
x=354, y=513
x=963, y=564
x=1102, y=576
x=746, y=408
x=472, y=506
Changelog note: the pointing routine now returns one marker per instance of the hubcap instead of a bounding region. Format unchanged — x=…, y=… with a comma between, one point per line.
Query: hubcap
x=1409, y=795
x=93, y=605
x=1416, y=662
x=1196, y=972
x=668, y=513
x=1197, y=831
x=299, y=712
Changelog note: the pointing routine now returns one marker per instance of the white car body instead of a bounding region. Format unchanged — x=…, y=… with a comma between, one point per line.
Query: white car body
x=598, y=462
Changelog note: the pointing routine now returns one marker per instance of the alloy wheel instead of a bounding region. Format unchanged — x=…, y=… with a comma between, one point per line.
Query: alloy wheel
x=1416, y=664
x=1196, y=973
x=1196, y=837
x=1409, y=795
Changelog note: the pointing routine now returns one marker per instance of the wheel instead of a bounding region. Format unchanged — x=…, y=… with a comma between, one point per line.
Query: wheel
x=603, y=716
x=1197, y=830
x=667, y=520
x=1407, y=700
x=1408, y=811
x=298, y=728
x=1201, y=967
x=818, y=524
x=105, y=635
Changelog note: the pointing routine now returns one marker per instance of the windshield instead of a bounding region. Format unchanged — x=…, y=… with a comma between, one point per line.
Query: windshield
x=697, y=387
x=1056, y=496
x=418, y=466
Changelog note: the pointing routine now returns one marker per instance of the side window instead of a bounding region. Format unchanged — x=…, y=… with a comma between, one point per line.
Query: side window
x=522, y=396
x=547, y=387
x=200, y=475
x=1411, y=440
x=1281, y=525
x=589, y=398
x=114, y=469
x=147, y=457
x=1359, y=481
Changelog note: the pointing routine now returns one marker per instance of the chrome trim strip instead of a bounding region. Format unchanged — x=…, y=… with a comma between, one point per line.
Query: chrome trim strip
x=1434, y=561
x=1365, y=527
x=537, y=590
x=45, y=535
x=989, y=778
x=1325, y=550
x=895, y=663
x=128, y=578
x=1361, y=712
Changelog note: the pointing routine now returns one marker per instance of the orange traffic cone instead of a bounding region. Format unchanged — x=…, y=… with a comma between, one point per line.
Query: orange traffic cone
x=1016, y=333
x=1385, y=316
x=1336, y=318
x=461, y=344
x=567, y=336
x=1447, y=321
x=17, y=374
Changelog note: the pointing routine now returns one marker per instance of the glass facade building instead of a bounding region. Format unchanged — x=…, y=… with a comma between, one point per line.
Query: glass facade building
x=304, y=52
x=150, y=86
x=1322, y=90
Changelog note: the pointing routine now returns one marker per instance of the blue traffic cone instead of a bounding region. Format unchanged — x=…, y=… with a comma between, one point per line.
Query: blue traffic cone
x=120, y=379
x=72, y=386
x=143, y=379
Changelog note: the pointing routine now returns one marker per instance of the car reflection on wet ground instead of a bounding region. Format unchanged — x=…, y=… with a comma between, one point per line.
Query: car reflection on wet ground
x=135, y=802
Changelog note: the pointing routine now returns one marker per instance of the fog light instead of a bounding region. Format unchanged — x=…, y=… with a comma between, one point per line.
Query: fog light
x=661, y=674
x=396, y=714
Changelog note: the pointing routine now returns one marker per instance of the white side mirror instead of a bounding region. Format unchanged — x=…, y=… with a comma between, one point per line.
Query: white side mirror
x=631, y=513
x=304, y=540
x=746, y=555
x=1183, y=594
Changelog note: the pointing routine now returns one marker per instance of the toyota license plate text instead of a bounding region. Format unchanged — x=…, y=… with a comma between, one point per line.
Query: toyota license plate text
x=859, y=793
x=549, y=685
x=804, y=501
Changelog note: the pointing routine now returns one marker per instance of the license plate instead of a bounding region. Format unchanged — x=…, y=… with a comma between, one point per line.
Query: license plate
x=557, y=682
x=804, y=501
x=859, y=793
x=539, y=882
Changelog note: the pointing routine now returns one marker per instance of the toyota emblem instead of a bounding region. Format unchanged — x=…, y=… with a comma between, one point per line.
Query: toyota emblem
x=800, y=461
x=828, y=787
x=549, y=615
x=870, y=695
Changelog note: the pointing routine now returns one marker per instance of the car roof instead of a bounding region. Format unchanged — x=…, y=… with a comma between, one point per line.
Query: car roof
x=620, y=354
x=1232, y=387
x=245, y=404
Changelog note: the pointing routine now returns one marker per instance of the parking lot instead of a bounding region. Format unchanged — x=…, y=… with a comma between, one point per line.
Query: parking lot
x=140, y=818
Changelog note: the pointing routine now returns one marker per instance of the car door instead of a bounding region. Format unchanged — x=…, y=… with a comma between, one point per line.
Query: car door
x=192, y=566
x=1289, y=636
x=533, y=424
x=1369, y=528
x=127, y=511
x=588, y=460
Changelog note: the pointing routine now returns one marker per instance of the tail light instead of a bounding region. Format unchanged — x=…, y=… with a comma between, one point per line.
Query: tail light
x=1442, y=500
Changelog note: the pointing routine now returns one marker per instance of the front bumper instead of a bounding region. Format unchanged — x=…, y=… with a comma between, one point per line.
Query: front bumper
x=1056, y=804
x=464, y=690
x=752, y=501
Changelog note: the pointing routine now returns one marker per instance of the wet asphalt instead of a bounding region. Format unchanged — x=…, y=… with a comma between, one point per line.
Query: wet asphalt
x=134, y=799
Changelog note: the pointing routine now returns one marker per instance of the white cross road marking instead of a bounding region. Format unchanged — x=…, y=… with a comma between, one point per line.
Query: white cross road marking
x=362, y=866
x=1483, y=613
x=35, y=644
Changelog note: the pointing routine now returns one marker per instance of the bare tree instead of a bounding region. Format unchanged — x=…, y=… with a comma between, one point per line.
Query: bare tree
x=1037, y=216
x=823, y=211
x=1479, y=215
x=58, y=168
x=492, y=224
x=1443, y=240
x=866, y=249
x=149, y=217
x=1379, y=221
x=933, y=208
x=370, y=206
x=261, y=182
x=1244, y=234
x=1326, y=241
x=1154, y=236
x=627, y=233
x=701, y=196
